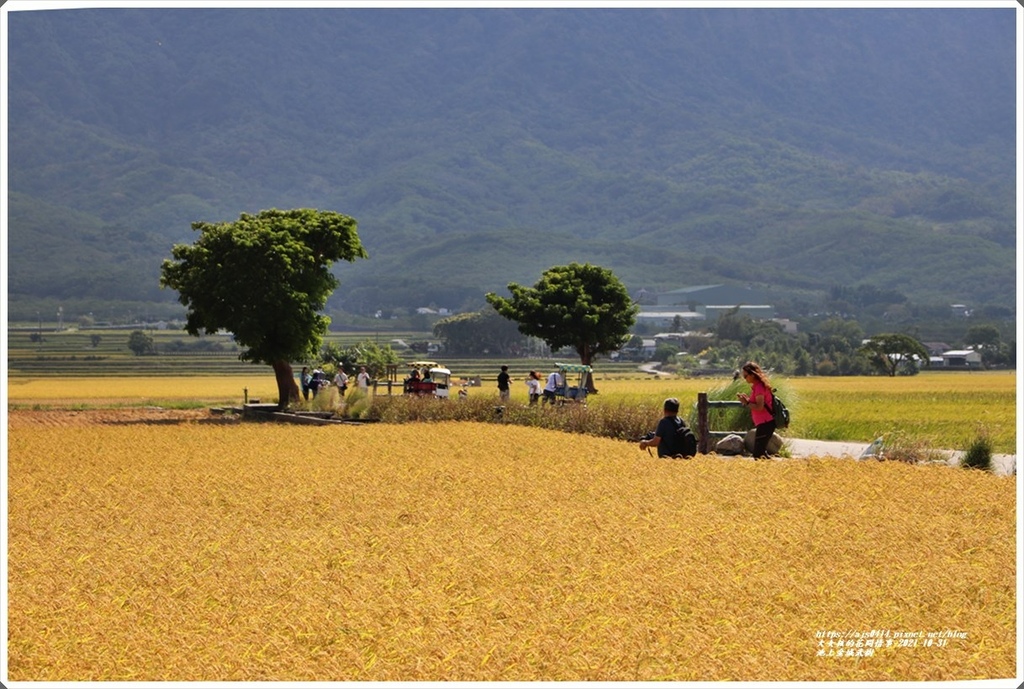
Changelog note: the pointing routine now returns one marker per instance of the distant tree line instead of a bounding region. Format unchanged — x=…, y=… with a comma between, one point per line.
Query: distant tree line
x=838, y=347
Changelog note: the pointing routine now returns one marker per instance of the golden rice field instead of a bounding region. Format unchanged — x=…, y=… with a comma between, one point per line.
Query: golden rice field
x=149, y=545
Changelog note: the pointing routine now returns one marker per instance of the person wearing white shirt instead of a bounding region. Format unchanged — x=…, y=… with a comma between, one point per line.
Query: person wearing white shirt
x=554, y=382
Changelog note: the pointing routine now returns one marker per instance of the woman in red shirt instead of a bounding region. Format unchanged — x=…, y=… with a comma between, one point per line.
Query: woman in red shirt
x=760, y=402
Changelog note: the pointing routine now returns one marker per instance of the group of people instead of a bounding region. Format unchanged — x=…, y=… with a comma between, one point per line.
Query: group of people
x=536, y=393
x=312, y=382
x=412, y=383
x=667, y=439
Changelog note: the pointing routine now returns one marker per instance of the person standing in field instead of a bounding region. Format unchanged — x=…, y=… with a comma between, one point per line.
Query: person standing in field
x=503, y=380
x=760, y=403
x=554, y=382
x=533, y=387
x=304, y=382
x=363, y=380
x=341, y=381
x=317, y=381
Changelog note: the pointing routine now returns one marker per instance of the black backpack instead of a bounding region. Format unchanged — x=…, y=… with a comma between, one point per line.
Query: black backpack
x=686, y=441
x=779, y=411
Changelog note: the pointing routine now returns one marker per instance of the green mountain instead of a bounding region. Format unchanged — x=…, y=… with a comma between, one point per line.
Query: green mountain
x=797, y=148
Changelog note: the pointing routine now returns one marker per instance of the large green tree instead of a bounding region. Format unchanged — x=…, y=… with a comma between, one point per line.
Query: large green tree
x=890, y=351
x=264, y=278
x=580, y=306
x=480, y=332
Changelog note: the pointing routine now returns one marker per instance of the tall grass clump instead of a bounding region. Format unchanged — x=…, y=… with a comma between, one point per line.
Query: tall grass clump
x=979, y=454
x=357, y=405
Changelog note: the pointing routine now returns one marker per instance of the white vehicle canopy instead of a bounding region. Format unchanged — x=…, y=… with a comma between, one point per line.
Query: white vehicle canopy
x=579, y=373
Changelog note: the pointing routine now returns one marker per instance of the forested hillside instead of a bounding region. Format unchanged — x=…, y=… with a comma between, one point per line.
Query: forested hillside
x=796, y=148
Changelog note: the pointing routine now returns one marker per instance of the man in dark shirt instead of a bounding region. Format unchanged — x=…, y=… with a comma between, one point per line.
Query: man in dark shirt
x=503, y=380
x=666, y=435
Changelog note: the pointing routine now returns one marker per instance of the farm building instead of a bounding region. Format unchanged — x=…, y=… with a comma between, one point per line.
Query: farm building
x=665, y=316
x=961, y=358
x=703, y=304
x=659, y=318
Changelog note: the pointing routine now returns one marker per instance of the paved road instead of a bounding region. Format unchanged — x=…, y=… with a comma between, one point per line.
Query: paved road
x=1004, y=465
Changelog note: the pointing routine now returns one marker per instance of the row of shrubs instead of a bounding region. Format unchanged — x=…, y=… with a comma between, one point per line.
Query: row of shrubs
x=618, y=421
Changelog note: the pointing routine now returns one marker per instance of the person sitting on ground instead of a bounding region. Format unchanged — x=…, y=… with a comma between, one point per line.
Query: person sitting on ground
x=667, y=437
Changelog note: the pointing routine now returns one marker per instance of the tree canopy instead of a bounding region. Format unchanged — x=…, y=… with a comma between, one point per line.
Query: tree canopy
x=585, y=307
x=480, y=332
x=140, y=343
x=890, y=351
x=264, y=278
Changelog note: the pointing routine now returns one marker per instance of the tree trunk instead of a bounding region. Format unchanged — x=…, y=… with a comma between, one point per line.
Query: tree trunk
x=890, y=366
x=287, y=390
x=589, y=384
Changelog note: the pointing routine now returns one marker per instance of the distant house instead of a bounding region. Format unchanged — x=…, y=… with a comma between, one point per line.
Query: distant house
x=665, y=317
x=961, y=358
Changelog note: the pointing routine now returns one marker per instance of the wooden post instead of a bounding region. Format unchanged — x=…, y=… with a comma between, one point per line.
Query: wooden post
x=702, y=423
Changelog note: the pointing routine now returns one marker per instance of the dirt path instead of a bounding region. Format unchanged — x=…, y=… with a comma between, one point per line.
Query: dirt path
x=57, y=418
